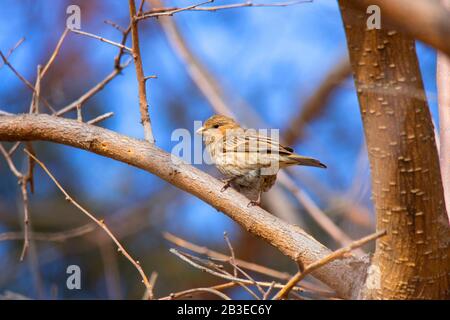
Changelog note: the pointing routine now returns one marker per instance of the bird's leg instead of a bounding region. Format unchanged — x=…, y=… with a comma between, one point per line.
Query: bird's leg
x=228, y=182
x=256, y=202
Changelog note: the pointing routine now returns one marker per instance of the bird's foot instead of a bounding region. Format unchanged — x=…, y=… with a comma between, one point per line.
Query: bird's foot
x=253, y=204
x=227, y=184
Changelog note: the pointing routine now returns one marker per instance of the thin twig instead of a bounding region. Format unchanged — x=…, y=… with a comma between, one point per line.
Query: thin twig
x=55, y=52
x=269, y=290
x=158, y=12
x=101, y=118
x=214, y=254
x=14, y=148
x=223, y=276
x=100, y=223
x=196, y=290
x=171, y=12
x=232, y=259
x=102, y=39
x=34, y=107
x=338, y=254
x=26, y=218
x=10, y=163
x=21, y=40
x=143, y=105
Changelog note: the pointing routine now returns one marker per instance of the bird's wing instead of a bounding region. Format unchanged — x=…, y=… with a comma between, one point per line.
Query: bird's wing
x=251, y=142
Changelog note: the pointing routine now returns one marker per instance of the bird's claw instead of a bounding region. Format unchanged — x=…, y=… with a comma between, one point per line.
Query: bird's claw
x=253, y=203
x=227, y=184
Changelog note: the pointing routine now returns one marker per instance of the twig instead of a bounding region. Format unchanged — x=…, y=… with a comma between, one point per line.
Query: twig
x=21, y=40
x=26, y=218
x=55, y=52
x=338, y=254
x=143, y=105
x=214, y=254
x=196, y=290
x=10, y=163
x=102, y=39
x=79, y=114
x=158, y=12
x=232, y=259
x=171, y=12
x=14, y=148
x=183, y=257
x=269, y=290
x=99, y=86
x=101, y=118
x=100, y=223
x=34, y=107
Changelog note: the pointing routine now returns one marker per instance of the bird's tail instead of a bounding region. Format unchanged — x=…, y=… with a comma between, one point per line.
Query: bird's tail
x=305, y=161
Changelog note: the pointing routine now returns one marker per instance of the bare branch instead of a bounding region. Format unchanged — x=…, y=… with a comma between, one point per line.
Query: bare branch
x=55, y=53
x=183, y=256
x=143, y=105
x=159, y=12
x=101, y=118
x=119, y=45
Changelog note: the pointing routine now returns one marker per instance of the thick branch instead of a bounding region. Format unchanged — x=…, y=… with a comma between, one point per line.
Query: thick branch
x=412, y=261
x=344, y=276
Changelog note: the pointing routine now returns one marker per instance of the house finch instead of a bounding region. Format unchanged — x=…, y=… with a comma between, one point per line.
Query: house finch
x=249, y=160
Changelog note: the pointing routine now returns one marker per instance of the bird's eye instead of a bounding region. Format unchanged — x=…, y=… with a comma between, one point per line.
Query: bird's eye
x=216, y=126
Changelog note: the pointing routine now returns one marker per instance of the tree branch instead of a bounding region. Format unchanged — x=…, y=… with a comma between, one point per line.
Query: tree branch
x=344, y=276
x=412, y=261
x=143, y=105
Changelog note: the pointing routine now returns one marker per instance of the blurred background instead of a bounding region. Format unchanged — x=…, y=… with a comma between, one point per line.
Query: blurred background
x=269, y=62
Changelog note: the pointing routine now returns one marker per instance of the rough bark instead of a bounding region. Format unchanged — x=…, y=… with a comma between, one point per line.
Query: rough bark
x=412, y=261
x=425, y=20
x=345, y=276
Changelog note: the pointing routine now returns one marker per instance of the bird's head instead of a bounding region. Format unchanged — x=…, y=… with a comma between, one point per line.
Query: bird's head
x=217, y=126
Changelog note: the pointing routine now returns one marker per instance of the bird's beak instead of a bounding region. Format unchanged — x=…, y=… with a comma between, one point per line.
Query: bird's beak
x=200, y=130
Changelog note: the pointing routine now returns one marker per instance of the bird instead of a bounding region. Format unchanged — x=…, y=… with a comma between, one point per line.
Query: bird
x=249, y=160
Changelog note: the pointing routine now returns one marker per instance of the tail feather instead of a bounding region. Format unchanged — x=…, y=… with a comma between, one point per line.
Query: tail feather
x=306, y=161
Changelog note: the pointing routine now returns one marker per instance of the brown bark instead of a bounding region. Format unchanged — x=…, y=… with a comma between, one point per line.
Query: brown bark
x=345, y=276
x=412, y=261
x=425, y=20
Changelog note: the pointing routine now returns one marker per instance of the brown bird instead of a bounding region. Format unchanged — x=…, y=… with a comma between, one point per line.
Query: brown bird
x=249, y=160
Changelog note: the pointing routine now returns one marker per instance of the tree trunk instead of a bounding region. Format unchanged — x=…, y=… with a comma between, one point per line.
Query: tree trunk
x=412, y=261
